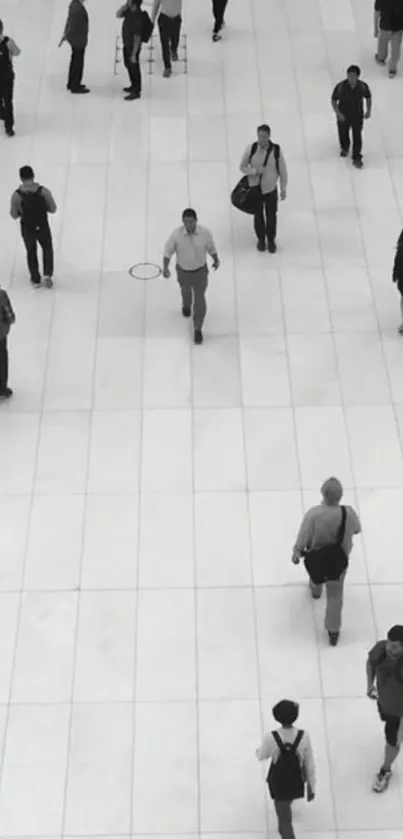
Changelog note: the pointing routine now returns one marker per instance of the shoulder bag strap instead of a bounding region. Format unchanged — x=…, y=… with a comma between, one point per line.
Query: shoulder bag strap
x=253, y=149
x=342, y=528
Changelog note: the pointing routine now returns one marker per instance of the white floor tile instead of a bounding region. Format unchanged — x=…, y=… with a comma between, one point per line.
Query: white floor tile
x=55, y=543
x=110, y=542
x=166, y=541
x=166, y=451
x=270, y=449
x=14, y=523
x=222, y=539
x=118, y=434
x=219, y=461
x=63, y=453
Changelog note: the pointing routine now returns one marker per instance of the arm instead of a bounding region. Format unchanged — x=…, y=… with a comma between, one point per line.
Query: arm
x=398, y=265
x=265, y=751
x=377, y=17
x=212, y=250
x=370, y=672
x=15, y=207
x=70, y=25
x=121, y=12
x=13, y=49
x=50, y=201
x=155, y=10
x=10, y=314
x=357, y=524
x=283, y=175
x=309, y=764
x=169, y=250
x=245, y=165
x=369, y=105
x=303, y=538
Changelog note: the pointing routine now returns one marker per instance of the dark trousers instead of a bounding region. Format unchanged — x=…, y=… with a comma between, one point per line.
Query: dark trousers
x=133, y=69
x=193, y=286
x=219, y=7
x=284, y=818
x=170, y=30
x=6, y=102
x=76, y=68
x=3, y=365
x=344, y=128
x=32, y=238
x=265, y=220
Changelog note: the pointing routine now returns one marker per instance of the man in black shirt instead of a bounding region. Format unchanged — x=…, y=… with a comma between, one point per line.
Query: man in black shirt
x=347, y=103
x=389, y=28
x=132, y=27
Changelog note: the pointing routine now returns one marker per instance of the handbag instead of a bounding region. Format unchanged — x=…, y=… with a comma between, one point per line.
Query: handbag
x=245, y=197
x=330, y=562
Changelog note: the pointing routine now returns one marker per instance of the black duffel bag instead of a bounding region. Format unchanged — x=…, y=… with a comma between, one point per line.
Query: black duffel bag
x=330, y=562
x=248, y=198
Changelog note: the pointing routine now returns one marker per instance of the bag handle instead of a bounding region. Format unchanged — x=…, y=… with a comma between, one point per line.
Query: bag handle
x=342, y=528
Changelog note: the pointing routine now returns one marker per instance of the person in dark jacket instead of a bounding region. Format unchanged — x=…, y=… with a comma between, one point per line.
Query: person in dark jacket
x=389, y=29
x=31, y=203
x=8, y=50
x=7, y=318
x=76, y=34
x=347, y=103
x=398, y=275
x=132, y=27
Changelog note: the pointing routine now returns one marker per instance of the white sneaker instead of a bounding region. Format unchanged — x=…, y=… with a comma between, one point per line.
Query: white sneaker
x=48, y=282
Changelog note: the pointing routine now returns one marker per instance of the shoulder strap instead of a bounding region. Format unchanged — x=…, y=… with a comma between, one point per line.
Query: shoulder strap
x=277, y=156
x=297, y=741
x=342, y=528
x=253, y=149
x=278, y=740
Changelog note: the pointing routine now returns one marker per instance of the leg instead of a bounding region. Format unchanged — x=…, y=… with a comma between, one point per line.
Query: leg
x=8, y=107
x=393, y=736
x=164, y=29
x=334, y=604
x=357, y=141
x=3, y=365
x=383, y=44
x=259, y=224
x=343, y=129
x=32, y=256
x=316, y=589
x=199, y=298
x=401, y=311
x=396, y=45
x=175, y=34
x=76, y=69
x=185, y=287
x=284, y=818
x=270, y=209
x=45, y=240
x=219, y=7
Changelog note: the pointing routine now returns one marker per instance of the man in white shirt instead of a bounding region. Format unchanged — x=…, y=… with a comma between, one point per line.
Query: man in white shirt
x=191, y=243
x=263, y=162
x=169, y=13
x=8, y=51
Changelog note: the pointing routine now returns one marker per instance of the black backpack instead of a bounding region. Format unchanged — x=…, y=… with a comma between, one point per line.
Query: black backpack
x=286, y=778
x=146, y=27
x=33, y=209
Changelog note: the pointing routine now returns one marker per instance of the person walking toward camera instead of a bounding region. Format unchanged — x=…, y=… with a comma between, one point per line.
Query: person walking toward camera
x=263, y=163
x=191, y=243
x=292, y=769
x=169, y=14
x=388, y=29
x=325, y=540
x=347, y=103
x=385, y=684
x=7, y=318
x=8, y=51
x=31, y=203
x=76, y=34
x=398, y=276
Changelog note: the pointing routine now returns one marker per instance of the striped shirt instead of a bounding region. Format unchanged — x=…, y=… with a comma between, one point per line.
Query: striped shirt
x=191, y=249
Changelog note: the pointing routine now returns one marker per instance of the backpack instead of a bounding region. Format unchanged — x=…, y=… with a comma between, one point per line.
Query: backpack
x=6, y=66
x=329, y=562
x=146, y=28
x=33, y=209
x=276, y=149
x=286, y=777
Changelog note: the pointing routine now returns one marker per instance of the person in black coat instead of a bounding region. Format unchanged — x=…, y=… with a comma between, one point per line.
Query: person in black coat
x=132, y=29
x=398, y=275
x=76, y=34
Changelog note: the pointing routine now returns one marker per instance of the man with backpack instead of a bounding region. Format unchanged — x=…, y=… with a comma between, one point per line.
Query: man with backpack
x=325, y=539
x=136, y=29
x=7, y=318
x=8, y=51
x=292, y=769
x=31, y=203
x=385, y=684
x=263, y=163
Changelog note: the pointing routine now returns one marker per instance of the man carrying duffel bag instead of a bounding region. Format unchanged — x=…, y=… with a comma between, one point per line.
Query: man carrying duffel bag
x=263, y=165
x=325, y=540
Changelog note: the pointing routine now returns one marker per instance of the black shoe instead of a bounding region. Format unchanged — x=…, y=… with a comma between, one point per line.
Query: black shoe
x=186, y=312
x=343, y=152
x=6, y=393
x=174, y=55
x=392, y=74
x=216, y=36
x=10, y=132
x=131, y=96
x=261, y=246
x=333, y=638
x=381, y=61
x=358, y=163
x=36, y=283
x=167, y=72
x=127, y=89
x=79, y=90
x=272, y=247
x=198, y=336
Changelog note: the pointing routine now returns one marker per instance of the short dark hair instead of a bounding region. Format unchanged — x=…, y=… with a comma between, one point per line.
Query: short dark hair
x=354, y=68
x=27, y=173
x=396, y=633
x=265, y=128
x=189, y=213
x=286, y=712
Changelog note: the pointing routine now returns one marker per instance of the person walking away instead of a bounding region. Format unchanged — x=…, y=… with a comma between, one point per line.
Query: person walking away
x=219, y=8
x=388, y=29
x=347, y=103
x=7, y=318
x=132, y=27
x=263, y=162
x=398, y=276
x=319, y=529
x=191, y=243
x=385, y=684
x=169, y=14
x=31, y=203
x=8, y=51
x=76, y=34
x=292, y=765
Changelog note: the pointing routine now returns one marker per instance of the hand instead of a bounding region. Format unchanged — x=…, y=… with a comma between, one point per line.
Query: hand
x=259, y=170
x=133, y=59
x=367, y=116
x=216, y=264
x=310, y=795
x=166, y=273
x=296, y=560
x=372, y=693
x=376, y=33
x=341, y=118
x=283, y=194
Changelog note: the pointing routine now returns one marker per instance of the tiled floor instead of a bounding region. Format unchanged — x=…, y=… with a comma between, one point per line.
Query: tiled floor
x=150, y=490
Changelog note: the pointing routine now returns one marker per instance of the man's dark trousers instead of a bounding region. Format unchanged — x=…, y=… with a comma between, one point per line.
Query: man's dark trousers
x=344, y=128
x=3, y=365
x=219, y=7
x=265, y=220
x=43, y=237
x=6, y=102
x=170, y=28
x=133, y=69
x=76, y=68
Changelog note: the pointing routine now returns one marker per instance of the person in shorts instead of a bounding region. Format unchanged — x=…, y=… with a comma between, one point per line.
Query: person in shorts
x=385, y=684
